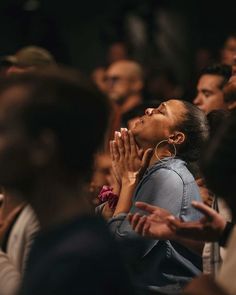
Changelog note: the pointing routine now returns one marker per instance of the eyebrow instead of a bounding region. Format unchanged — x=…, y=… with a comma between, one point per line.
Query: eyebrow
x=206, y=90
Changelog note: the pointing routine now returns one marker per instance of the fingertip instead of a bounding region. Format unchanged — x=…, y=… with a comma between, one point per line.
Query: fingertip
x=171, y=218
x=195, y=203
x=138, y=204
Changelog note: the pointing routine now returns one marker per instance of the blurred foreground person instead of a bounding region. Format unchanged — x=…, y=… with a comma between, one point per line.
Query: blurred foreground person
x=46, y=155
x=18, y=221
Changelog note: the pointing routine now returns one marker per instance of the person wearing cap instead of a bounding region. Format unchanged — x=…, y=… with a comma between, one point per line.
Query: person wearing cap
x=27, y=59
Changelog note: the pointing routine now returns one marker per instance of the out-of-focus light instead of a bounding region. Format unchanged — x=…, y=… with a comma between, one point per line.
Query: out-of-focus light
x=31, y=5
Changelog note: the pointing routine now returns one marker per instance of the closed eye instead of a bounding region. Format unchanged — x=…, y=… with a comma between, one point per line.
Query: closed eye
x=161, y=111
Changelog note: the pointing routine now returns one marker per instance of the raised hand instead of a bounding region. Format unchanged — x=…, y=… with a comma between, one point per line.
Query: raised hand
x=129, y=162
x=155, y=225
x=209, y=228
x=160, y=224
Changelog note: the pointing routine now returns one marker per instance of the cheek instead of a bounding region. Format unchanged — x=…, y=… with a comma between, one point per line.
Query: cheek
x=122, y=88
x=152, y=133
x=216, y=100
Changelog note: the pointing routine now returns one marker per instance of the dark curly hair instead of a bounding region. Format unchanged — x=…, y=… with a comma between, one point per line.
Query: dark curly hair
x=223, y=71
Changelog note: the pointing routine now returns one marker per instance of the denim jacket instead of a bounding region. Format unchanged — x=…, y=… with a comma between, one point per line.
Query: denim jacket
x=166, y=264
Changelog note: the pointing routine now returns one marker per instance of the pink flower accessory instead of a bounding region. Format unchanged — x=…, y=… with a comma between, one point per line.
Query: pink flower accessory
x=106, y=195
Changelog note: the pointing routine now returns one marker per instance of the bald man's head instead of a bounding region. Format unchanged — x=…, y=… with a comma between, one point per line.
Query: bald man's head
x=124, y=79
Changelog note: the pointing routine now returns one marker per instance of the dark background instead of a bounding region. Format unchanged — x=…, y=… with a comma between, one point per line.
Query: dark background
x=79, y=33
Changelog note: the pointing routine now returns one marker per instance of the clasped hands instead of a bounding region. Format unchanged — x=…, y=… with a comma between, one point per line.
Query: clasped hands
x=129, y=162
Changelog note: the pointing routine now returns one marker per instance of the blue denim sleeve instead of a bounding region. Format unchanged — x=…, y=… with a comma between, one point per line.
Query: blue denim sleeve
x=164, y=188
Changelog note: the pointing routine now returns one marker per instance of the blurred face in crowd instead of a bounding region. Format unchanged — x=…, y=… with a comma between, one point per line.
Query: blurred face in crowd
x=98, y=76
x=210, y=93
x=15, y=152
x=229, y=51
x=234, y=67
x=123, y=79
x=102, y=171
x=17, y=69
x=117, y=51
x=159, y=124
x=101, y=175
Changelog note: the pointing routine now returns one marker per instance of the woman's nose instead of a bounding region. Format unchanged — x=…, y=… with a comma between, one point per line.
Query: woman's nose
x=149, y=111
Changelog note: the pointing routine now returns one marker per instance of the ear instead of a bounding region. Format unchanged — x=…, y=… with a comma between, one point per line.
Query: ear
x=176, y=138
x=231, y=105
x=43, y=149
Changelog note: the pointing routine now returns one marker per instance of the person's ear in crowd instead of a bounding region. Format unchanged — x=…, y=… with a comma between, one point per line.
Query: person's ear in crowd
x=228, y=51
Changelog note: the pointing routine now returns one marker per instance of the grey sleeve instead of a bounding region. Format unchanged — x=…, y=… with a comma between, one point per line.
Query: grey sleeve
x=9, y=275
x=10, y=272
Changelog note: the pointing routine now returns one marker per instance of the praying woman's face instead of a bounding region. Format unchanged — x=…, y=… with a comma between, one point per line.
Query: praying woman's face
x=159, y=123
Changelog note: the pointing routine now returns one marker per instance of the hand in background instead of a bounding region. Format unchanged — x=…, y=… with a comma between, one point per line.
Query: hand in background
x=155, y=225
x=209, y=228
x=161, y=224
x=107, y=212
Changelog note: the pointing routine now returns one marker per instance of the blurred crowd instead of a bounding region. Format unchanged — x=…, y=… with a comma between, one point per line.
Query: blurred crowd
x=117, y=183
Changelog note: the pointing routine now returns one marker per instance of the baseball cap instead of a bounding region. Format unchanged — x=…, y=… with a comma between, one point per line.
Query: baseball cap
x=29, y=56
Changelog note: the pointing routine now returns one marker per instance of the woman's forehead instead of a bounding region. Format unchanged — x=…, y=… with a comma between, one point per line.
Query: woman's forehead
x=174, y=102
x=174, y=105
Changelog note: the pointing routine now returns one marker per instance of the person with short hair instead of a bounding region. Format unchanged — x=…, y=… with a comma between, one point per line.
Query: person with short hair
x=52, y=124
x=27, y=59
x=210, y=86
x=125, y=82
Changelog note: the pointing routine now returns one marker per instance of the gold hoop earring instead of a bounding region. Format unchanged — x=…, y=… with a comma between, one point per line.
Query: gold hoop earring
x=156, y=154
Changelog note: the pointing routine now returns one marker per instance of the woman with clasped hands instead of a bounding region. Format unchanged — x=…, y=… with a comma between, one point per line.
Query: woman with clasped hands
x=150, y=165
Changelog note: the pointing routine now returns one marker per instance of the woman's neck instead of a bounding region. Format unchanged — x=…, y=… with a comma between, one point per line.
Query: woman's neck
x=159, y=154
